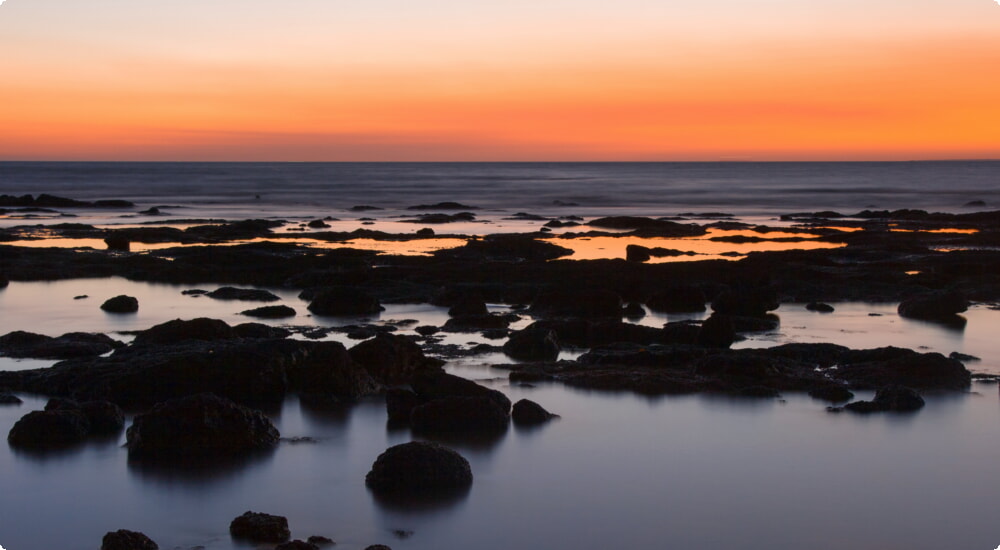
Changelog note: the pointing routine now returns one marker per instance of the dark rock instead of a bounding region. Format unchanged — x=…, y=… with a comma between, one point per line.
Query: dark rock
x=460, y=414
x=438, y=385
x=756, y=391
x=678, y=299
x=418, y=467
x=443, y=218
x=378, y=547
x=104, y=417
x=67, y=346
x=588, y=303
x=633, y=310
x=648, y=226
x=833, y=394
x=965, y=358
x=329, y=369
x=477, y=323
x=127, y=540
x=529, y=413
x=974, y=204
x=911, y=369
x=508, y=248
x=890, y=398
x=297, y=545
x=320, y=540
x=318, y=224
x=344, y=301
x=245, y=294
x=748, y=300
x=9, y=399
x=820, y=307
x=260, y=527
x=260, y=330
x=178, y=330
x=447, y=205
x=468, y=305
x=363, y=208
x=4, y=281
x=425, y=232
x=399, y=403
x=270, y=312
x=121, y=304
x=393, y=359
x=533, y=344
x=637, y=253
x=119, y=243
x=40, y=430
x=426, y=330
x=202, y=425
x=933, y=306
x=717, y=332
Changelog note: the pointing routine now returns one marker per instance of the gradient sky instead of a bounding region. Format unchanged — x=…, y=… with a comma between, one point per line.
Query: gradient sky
x=510, y=80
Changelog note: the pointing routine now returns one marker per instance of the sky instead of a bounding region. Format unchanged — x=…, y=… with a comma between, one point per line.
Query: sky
x=512, y=80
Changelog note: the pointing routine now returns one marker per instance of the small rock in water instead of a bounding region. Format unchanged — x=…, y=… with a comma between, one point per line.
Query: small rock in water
x=528, y=413
x=81, y=297
x=260, y=527
x=418, y=466
x=127, y=540
x=320, y=540
x=121, y=304
x=820, y=307
x=963, y=357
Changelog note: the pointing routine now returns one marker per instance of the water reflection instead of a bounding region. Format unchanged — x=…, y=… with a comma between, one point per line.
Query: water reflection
x=423, y=502
x=201, y=471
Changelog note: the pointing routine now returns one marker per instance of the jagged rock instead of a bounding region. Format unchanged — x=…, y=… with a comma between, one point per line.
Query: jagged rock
x=121, y=304
x=344, y=301
x=127, y=540
x=245, y=294
x=528, y=413
x=172, y=332
x=933, y=305
x=418, y=467
x=67, y=346
x=393, y=359
x=438, y=385
x=260, y=527
x=320, y=540
x=40, y=430
x=533, y=344
x=201, y=426
x=270, y=312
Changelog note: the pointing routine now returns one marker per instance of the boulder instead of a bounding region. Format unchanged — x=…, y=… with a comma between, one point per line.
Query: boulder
x=820, y=307
x=418, y=467
x=74, y=344
x=391, y=359
x=890, y=398
x=121, y=304
x=103, y=417
x=678, y=299
x=259, y=527
x=9, y=399
x=260, y=330
x=833, y=394
x=717, y=332
x=460, y=414
x=40, y=430
x=399, y=404
x=528, y=413
x=586, y=303
x=906, y=368
x=118, y=243
x=637, y=253
x=438, y=385
x=468, y=305
x=328, y=369
x=244, y=294
x=201, y=426
x=633, y=310
x=127, y=540
x=172, y=332
x=533, y=344
x=933, y=305
x=746, y=299
x=270, y=312
x=344, y=301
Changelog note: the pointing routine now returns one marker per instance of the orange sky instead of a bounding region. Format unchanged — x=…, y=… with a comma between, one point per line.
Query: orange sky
x=543, y=80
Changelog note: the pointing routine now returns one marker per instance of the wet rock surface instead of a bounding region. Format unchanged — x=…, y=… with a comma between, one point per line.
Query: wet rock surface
x=260, y=527
x=127, y=540
x=121, y=304
x=418, y=467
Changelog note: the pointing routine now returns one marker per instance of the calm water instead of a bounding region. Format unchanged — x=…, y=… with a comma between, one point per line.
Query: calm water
x=616, y=471
x=241, y=190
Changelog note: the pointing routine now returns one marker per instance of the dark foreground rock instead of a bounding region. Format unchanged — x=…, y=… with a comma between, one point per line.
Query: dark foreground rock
x=418, y=467
x=393, y=359
x=199, y=426
x=933, y=306
x=38, y=346
x=127, y=540
x=260, y=527
x=890, y=398
x=41, y=430
x=121, y=304
x=528, y=413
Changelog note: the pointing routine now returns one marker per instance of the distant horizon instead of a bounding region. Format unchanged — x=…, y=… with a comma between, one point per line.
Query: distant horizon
x=721, y=161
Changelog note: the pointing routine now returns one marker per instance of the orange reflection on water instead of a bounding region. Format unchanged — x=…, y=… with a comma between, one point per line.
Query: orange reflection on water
x=598, y=248
x=943, y=230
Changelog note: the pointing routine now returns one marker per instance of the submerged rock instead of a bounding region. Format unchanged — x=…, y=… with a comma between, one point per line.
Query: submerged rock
x=199, y=426
x=418, y=467
x=270, y=312
x=260, y=527
x=121, y=304
x=127, y=540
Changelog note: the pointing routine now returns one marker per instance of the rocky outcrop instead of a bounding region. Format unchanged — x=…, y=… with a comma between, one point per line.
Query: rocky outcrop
x=460, y=415
x=718, y=331
x=121, y=304
x=533, y=344
x=746, y=299
x=127, y=540
x=260, y=527
x=270, y=312
x=244, y=294
x=943, y=306
x=42, y=430
x=199, y=426
x=393, y=359
x=418, y=467
x=178, y=330
x=908, y=368
x=528, y=413
x=329, y=370
x=103, y=417
x=336, y=301
x=889, y=399
x=38, y=346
